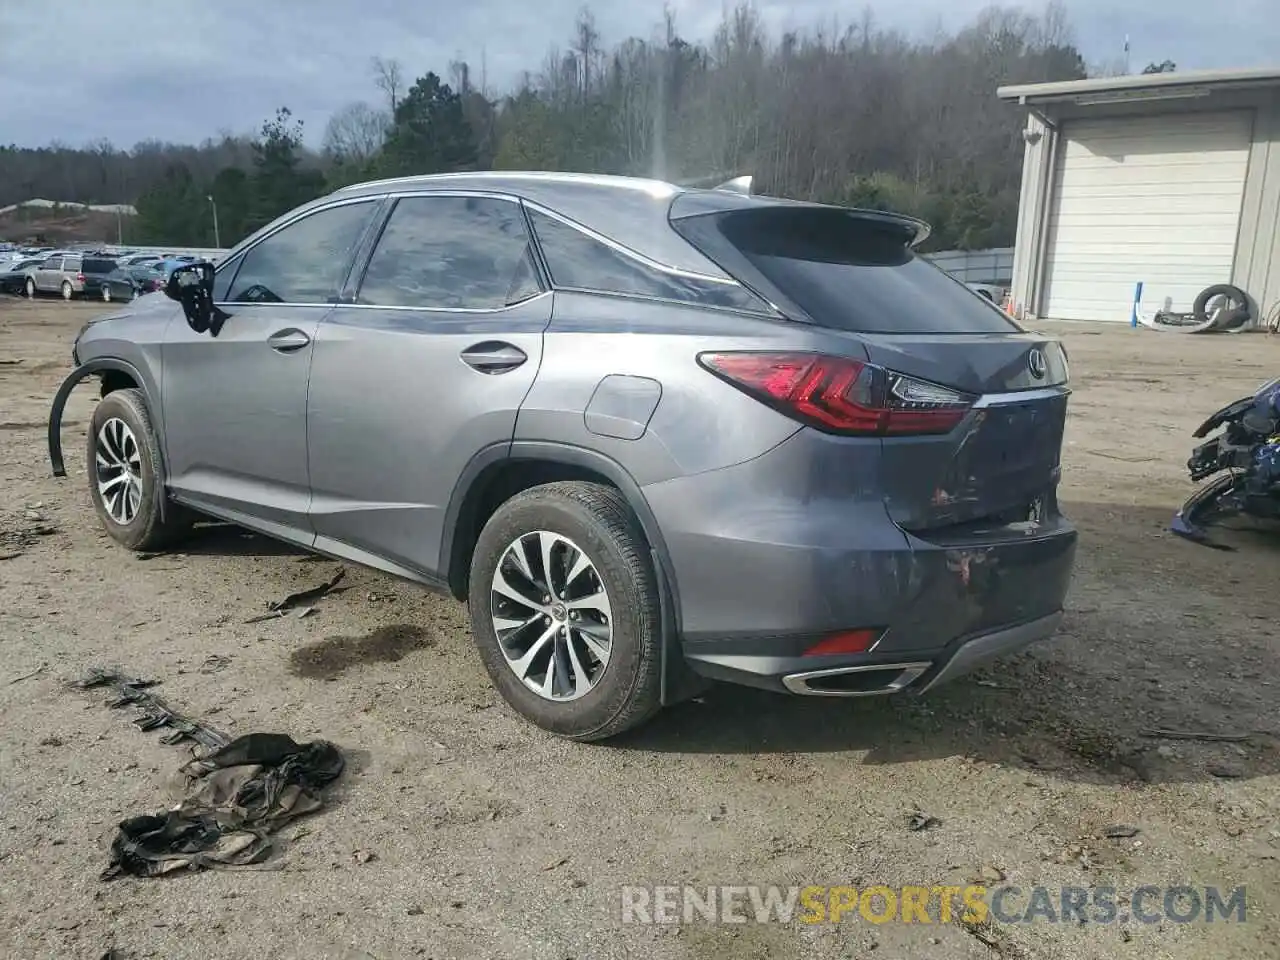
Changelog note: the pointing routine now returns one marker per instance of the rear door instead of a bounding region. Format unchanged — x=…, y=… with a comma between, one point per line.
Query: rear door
x=426, y=364
x=235, y=404
x=866, y=294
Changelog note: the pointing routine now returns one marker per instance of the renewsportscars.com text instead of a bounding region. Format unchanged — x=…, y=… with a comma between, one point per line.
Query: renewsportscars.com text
x=930, y=904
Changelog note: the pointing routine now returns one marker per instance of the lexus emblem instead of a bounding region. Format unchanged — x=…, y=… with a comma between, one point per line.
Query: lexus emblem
x=1036, y=363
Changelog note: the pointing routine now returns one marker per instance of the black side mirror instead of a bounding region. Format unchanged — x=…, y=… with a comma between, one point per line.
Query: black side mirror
x=192, y=286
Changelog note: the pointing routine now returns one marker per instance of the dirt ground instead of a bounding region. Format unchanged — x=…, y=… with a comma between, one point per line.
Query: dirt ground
x=482, y=837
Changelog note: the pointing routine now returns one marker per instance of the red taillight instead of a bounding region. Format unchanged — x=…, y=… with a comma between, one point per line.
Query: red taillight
x=847, y=641
x=79, y=278
x=841, y=395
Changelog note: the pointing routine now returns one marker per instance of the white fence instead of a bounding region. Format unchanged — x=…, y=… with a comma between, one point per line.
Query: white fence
x=994, y=266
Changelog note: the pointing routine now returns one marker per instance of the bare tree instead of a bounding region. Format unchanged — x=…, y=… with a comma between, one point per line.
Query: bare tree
x=388, y=76
x=356, y=132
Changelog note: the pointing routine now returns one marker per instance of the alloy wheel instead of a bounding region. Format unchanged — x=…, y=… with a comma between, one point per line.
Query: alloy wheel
x=118, y=470
x=551, y=615
x=66, y=290
x=106, y=293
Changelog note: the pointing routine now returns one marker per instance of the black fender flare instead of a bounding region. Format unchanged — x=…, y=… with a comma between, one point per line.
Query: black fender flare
x=546, y=451
x=88, y=369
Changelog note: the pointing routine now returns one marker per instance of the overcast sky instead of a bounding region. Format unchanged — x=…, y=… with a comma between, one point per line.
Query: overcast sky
x=182, y=70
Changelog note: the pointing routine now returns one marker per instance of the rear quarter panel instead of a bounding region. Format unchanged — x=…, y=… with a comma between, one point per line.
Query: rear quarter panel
x=700, y=423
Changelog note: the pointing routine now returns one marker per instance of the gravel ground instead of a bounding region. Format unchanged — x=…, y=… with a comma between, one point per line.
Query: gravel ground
x=460, y=831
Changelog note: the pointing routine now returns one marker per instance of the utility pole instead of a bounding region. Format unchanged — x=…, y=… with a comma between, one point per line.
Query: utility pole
x=217, y=238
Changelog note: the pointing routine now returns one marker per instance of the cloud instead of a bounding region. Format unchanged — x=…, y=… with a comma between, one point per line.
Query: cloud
x=185, y=70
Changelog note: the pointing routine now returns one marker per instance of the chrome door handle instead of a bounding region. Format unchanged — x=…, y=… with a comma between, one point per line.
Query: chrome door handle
x=288, y=340
x=493, y=356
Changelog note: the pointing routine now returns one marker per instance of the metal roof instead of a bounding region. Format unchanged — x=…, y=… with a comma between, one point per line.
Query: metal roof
x=1143, y=86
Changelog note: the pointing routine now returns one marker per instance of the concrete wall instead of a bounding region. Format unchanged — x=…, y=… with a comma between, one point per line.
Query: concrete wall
x=1257, y=262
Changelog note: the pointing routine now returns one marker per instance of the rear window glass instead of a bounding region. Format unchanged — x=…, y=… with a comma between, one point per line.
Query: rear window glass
x=845, y=271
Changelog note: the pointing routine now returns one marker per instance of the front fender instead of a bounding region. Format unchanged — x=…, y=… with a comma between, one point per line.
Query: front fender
x=86, y=369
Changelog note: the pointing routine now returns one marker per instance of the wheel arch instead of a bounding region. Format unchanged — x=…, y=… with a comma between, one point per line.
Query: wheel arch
x=116, y=374
x=501, y=470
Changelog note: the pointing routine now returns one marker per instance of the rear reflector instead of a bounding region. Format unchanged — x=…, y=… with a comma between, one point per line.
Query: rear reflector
x=840, y=395
x=847, y=641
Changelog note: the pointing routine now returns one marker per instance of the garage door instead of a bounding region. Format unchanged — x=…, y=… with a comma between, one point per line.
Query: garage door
x=1155, y=200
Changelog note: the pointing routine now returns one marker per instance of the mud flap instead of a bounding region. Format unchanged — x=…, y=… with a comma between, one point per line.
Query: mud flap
x=678, y=682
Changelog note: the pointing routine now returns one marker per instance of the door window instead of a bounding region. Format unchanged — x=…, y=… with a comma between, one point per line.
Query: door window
x=452, y=253
x=306, y=261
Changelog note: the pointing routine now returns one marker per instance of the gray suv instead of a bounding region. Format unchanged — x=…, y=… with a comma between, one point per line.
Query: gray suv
x=651, y=435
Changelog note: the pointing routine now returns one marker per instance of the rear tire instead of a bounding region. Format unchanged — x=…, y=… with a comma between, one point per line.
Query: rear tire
x=66, y=290
x=594, y=532
x=31, y=289
x=124, y=468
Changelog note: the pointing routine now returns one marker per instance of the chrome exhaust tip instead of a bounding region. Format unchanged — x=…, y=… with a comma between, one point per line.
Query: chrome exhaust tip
x=871, y=680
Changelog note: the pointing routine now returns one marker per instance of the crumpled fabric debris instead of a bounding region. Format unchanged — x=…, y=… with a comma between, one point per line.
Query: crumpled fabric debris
x=232, y=800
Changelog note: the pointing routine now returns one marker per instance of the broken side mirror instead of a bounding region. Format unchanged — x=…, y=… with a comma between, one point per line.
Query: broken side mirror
x=191, y=285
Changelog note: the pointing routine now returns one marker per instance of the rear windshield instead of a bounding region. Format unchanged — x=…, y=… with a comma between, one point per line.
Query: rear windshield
x=845, y=271
x=98, y=265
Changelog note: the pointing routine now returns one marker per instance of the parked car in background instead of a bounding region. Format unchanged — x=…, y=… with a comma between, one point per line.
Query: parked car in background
x=13, y=275
x=643, y=430
x=149, y=275
x=140, y=259
x=60, y=273
x=104, y=279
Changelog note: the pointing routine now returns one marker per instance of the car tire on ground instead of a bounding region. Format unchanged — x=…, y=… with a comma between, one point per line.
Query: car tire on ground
x=66, y=290
x=600, y=619
x=124, y=467
x=106, y=293
x=31, y=288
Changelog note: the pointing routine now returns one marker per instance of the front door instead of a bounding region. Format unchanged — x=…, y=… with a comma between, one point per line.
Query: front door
x=235, y=404
x=427, y=366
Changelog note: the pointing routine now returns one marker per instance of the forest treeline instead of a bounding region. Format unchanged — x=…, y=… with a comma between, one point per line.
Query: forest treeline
x=861, y=115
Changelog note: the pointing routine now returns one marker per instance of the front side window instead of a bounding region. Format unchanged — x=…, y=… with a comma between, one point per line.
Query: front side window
x=306, y=261
x=578, y=261
x=451, y=253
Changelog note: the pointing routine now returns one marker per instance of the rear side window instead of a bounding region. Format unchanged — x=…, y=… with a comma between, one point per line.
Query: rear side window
x=845, y=271
x=578, y=261
x=304, y=262
x=451, y=253
x=98, y=265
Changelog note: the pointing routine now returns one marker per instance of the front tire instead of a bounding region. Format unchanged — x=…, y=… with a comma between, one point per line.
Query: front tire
x=575, y=649
x=124, y=468
x=106, y=293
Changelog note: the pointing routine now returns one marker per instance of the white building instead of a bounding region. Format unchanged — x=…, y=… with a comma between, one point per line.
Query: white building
x=1171, y=180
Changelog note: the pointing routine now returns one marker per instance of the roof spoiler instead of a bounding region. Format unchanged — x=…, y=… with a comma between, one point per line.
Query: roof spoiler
x=740, y=184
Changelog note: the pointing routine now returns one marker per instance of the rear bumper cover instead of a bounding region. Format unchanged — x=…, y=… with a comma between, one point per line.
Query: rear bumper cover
x=777, y=553
x=820, y=676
